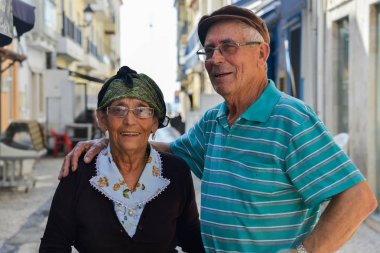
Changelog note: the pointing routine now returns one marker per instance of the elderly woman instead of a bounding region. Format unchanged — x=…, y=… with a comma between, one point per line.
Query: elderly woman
x=137, y=199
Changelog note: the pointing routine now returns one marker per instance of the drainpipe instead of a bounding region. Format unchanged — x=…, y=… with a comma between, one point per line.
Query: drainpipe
x=313, y=12
x=1, y=108
x=321, y=21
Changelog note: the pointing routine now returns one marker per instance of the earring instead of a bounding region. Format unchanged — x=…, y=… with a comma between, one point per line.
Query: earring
x=153, y=136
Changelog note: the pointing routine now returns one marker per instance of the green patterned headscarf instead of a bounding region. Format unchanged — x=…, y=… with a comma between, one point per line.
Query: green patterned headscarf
x=128, y=84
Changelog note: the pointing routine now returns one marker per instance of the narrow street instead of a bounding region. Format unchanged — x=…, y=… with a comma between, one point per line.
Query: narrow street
x=23, y=215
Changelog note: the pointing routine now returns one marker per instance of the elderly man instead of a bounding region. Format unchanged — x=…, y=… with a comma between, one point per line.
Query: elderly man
x=266, y=161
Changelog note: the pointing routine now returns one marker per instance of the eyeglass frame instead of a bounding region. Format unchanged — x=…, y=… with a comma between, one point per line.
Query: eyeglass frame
x=127, y=110
x=202, y=52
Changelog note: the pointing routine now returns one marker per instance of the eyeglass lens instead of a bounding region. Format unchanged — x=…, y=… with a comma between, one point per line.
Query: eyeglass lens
x=121, y=111
x=224, y=49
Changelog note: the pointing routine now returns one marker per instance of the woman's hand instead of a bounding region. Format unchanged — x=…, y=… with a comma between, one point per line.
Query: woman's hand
x=91, y=147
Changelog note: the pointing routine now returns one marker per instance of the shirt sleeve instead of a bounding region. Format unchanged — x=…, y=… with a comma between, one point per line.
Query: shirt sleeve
x=60, y=229
x=191, y=148
x=316, y=165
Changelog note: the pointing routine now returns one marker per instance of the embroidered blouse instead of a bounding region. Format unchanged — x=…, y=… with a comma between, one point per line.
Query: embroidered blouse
x=128, y=204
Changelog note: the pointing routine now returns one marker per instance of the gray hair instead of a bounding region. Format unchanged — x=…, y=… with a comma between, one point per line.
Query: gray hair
x=251, y=33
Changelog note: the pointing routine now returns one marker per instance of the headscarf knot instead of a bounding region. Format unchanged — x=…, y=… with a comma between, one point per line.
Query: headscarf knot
x=126, y=74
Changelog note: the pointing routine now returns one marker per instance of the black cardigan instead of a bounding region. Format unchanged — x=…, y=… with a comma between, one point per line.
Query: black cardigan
x=83, y=217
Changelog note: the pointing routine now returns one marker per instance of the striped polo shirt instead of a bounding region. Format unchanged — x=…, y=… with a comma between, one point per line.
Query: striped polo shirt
x=263, y=179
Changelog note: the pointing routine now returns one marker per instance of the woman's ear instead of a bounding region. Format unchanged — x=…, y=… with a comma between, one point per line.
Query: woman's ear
x=155, y=125
x=102, y=120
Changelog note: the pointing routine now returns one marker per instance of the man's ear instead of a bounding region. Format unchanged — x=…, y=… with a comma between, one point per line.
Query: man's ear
x=264, y=53
x=102, y=120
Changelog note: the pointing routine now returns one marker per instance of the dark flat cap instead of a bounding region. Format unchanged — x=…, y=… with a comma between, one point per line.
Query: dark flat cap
x=232, y=12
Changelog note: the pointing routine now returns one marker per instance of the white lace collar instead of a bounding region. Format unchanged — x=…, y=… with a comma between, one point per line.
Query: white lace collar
x=110, y=182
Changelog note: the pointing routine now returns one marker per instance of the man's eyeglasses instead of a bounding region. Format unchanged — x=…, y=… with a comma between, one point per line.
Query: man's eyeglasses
x=225, y=48
x=122, y=111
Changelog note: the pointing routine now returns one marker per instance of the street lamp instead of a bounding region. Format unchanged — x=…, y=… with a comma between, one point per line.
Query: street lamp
x=88, y=13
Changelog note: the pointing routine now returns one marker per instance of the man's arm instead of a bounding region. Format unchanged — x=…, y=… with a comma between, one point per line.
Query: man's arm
x=341, y=218
x=92, y=148
x=161, y=146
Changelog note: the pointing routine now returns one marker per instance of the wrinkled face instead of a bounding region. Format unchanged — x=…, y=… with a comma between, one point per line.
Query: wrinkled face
x=234, y=75
x=129, y=133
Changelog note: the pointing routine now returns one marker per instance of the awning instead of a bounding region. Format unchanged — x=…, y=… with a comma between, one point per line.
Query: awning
x=86, y=77
x=83, y=76
x=270, y=13
x=6, y=23
x=18, y=14
x=23, y=16
x=243, y=3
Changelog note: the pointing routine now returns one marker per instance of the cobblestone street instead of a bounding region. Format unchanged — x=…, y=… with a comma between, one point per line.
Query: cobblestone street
x=23, y=215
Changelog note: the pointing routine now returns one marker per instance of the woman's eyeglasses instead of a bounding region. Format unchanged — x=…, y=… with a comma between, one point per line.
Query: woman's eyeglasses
x=225, y=48
x=122, y=111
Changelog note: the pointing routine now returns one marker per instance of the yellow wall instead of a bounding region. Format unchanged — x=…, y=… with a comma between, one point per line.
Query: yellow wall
x=4, y=111
x=6, y=115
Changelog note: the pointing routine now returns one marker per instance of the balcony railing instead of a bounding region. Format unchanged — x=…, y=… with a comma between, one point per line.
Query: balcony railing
x=70, y=30
x=92, y=48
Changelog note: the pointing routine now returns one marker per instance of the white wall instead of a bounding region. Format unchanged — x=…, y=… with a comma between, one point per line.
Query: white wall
x=60, y=97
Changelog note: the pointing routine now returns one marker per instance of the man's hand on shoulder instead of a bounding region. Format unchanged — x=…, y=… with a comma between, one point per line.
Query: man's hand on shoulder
x=91, y=147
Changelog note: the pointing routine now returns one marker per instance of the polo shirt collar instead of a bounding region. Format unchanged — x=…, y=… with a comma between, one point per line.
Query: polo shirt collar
x=261, y=109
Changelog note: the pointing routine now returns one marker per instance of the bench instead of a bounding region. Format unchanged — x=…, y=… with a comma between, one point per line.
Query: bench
x=24, y=143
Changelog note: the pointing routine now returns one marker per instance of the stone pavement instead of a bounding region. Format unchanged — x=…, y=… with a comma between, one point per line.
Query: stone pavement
x=23, y=215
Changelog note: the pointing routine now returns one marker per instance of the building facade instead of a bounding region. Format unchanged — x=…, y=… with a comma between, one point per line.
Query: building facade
x=61, y=63
x=352, y=83
x=11, y=56
x=69, y=57
x=197, y=94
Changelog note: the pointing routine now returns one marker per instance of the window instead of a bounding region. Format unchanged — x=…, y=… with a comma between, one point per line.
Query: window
x=49, y=60
x=292, y=60
x=342, y=74
x=37, y=105
x=295, y=59
x=50, y=15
